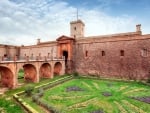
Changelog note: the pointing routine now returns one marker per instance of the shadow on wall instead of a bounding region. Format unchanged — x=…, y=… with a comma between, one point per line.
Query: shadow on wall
x=6, y=77
x=30, y=73
x=45, y=70
x=57, y=68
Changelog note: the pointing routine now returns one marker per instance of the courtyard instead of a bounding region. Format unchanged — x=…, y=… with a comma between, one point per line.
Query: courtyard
x=69, y=94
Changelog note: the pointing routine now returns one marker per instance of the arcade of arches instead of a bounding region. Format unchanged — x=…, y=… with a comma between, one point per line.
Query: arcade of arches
x=32, y=73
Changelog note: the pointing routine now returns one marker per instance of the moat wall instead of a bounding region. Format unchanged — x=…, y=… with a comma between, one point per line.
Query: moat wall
x=121, y=57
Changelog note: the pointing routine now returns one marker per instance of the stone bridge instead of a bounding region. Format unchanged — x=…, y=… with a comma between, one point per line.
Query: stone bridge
x=34, y=69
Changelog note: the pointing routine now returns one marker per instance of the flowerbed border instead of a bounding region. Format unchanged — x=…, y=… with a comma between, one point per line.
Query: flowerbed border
x=26, y=106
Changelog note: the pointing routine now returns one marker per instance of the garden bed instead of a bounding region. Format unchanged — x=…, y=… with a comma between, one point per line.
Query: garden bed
x=82, y=95
x=23, y=97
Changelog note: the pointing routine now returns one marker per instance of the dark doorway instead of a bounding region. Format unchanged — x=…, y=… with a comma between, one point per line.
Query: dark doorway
x=65, y=54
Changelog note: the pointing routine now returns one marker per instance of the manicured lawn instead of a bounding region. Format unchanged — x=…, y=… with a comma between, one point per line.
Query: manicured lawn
x=83, y=95
x=8, y=104
x=107, y=96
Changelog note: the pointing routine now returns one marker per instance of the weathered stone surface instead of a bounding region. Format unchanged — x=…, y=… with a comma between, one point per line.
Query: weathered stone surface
x=123, y=55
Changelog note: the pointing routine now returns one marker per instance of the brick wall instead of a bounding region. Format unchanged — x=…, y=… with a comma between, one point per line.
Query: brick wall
x=119, y=57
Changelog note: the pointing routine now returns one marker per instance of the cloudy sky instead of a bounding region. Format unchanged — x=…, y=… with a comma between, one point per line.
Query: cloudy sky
x=23, y=21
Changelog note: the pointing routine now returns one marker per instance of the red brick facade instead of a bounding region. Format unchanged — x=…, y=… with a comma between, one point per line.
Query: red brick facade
x=121, y=57
x=124, y=55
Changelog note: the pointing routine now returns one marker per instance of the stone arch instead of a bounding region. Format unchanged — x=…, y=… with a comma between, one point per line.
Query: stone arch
x=30, y=72
x=7, y=77
x=20, y=76
x=57, y=68
x=45, y=70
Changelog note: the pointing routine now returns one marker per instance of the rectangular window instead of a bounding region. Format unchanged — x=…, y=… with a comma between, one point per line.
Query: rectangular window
x=121, y=52
x=86, y=53
x=103, y=53
x=144, y=52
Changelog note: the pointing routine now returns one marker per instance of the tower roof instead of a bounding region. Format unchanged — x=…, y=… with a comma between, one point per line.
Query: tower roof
x=77, y=21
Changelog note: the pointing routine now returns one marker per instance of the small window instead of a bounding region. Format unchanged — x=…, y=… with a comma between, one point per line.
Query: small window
x=75, y=28
x=121, y=52
x=86, y=53
x=144, y=52
x=103, y=53
x=74, y=36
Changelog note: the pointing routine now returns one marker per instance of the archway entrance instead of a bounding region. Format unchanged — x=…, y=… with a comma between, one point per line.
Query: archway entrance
x=6, y=79
x=65, y=54
x=45, y=70
x=57, y=68
x=30, y=72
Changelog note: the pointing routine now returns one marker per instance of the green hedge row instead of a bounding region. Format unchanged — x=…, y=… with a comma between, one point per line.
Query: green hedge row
x=24, y=104
x=40, y=92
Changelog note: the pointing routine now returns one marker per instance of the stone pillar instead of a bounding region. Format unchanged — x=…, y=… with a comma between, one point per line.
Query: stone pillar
x=62, y=72
x=15, y=75
x=52, y=68
x=37, y=65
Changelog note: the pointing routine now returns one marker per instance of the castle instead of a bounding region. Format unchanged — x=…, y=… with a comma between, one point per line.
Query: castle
x=123, y=55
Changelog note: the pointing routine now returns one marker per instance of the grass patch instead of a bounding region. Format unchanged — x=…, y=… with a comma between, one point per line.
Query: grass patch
x=10, y=106
x=7, y=105
x=92, y=98
x=84, y=96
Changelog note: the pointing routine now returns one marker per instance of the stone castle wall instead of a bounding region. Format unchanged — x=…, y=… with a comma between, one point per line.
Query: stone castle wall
x=8, y=50
x=122, y=57
x=49, y=51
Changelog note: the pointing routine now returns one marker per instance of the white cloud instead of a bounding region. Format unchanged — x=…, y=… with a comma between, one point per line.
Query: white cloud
x=99, y=23
x=24, y=22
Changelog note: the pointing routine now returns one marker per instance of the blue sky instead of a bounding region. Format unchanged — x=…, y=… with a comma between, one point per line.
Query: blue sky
x=23, y=21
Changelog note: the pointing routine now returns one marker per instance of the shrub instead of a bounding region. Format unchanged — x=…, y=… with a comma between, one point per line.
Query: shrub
x=75, y=74
x=148, y=80
x=28, y=90
x=35, y=98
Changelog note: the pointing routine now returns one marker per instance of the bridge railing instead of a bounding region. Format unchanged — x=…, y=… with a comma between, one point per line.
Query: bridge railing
x=27, y=58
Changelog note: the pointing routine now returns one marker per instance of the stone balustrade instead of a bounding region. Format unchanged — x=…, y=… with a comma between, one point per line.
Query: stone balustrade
x=29, y=58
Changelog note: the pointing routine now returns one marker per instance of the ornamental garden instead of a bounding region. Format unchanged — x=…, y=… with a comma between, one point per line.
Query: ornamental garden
x=78, y=94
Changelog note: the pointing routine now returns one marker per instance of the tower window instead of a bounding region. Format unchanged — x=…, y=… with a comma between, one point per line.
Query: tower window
x=75, y=28
x=103, y=53
x=121, y=52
